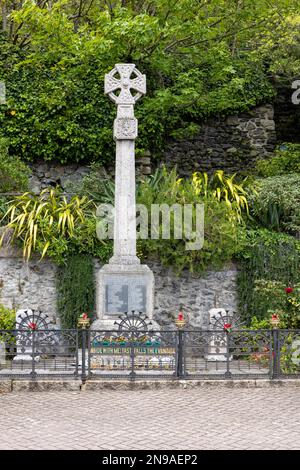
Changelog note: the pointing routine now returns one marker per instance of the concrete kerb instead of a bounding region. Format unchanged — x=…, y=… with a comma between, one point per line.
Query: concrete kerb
x=14, y=385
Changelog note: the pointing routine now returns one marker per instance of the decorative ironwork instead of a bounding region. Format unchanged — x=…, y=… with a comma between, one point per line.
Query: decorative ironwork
x=134, y=353
x=32, y=320
x=227, y=320
x=135, y=323
x=287, y=352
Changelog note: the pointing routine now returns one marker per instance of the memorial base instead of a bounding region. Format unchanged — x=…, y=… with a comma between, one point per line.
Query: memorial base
x=120, y=289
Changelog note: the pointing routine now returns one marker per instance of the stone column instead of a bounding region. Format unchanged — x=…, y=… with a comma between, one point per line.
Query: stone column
x=124, y=284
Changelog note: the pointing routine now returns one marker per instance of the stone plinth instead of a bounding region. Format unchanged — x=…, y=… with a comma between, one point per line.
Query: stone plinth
x=123, y=288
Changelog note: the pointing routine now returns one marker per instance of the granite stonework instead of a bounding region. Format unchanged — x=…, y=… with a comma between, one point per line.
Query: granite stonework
x=123, y=288
x=124, y=285
x=45, y=174
x=196, y=294
x=33, y=285
x=27, y=284
x=232, y=144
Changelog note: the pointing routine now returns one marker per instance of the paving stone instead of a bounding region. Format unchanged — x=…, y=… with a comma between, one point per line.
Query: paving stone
x=161, y=419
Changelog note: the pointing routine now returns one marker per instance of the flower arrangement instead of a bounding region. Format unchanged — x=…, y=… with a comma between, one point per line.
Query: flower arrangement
x=227, y=327
x=83, y=320
x=122, y=341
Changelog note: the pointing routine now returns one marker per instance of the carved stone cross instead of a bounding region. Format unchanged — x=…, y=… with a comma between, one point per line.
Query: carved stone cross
x=125, y=125
x=132, y=85
x=125, y=83
x=124, y=283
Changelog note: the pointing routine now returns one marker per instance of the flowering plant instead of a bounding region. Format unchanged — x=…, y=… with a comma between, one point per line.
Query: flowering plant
x=289, y=290
x=283, y=302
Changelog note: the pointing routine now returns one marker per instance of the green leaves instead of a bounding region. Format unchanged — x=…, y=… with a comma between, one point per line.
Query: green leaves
x=75, y=289
x=276, y=205
x=41, y=222
x=13, y=172
x=200, y=59
x=265, y=257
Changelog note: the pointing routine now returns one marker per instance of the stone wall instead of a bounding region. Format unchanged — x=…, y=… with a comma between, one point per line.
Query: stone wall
x=196, y=294
x=32, y=285
x=27, y=285
x=232, y=144
x=46, y=174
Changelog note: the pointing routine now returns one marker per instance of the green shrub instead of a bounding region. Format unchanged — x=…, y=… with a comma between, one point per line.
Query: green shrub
x=7, y=318
x=51, y=224
x=280, y=299
x=266, y=256
x=285, y=161
x=75, y=290
x=7, y=322
x=222, y=229
x=276, y=205
x=13, y=172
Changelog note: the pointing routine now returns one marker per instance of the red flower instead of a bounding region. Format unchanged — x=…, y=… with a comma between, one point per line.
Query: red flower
x=84, y=316
x=32, y=326
x=180, y=316
x=274, y=316
x=289, y=290
x=227, y=326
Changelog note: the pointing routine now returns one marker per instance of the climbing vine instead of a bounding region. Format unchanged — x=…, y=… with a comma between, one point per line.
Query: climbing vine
x=266, y=256
x=75, y=290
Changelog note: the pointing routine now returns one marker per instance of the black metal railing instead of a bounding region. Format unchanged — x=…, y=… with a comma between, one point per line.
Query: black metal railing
x=173, y=354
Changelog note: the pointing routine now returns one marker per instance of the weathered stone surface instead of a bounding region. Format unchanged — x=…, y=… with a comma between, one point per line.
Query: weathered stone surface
x=57, y=385
x=226, y=144
x=196, y=294
x=93, y=385
x=28, y=285
x=33, y=285
x=5, y=386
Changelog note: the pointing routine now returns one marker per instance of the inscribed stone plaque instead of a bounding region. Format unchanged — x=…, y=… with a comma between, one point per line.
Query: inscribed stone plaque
x=124, y=294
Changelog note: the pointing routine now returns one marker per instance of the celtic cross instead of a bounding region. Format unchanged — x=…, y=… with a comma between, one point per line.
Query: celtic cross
x=124, y=284
x=125, y=83
x=125, y=78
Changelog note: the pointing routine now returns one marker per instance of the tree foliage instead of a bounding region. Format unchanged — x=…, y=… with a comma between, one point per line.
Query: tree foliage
x=201, y=57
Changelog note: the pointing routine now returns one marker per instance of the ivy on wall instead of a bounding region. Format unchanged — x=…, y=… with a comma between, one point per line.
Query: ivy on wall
x=266, y=256
x=75, y=290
